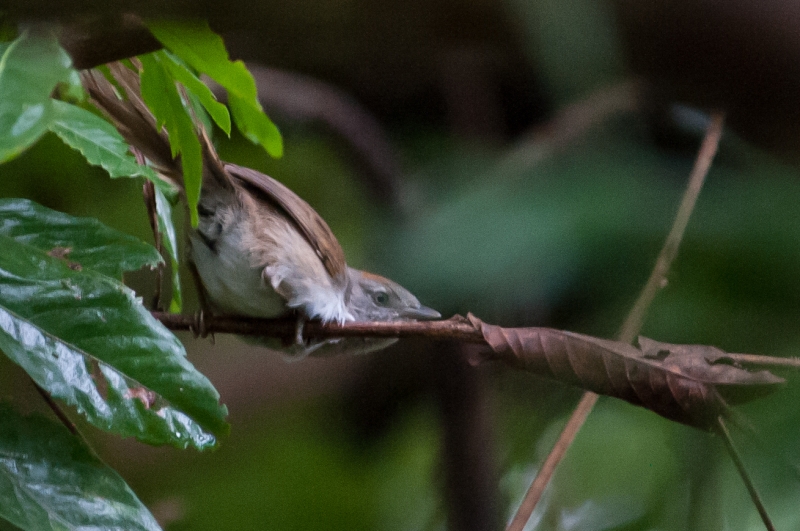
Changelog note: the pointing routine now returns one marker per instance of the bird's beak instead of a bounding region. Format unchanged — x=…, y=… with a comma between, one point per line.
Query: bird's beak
x=423, y=313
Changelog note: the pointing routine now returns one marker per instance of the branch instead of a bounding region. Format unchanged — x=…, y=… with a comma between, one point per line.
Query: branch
x=456, y=328
x=691, y=384
x=658, y=278
x=57, y=411
x=542, y=479
x=103, y=39
x=633, y=323
x=722, y=431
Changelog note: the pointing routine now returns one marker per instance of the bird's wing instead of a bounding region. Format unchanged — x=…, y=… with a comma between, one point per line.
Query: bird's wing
x=308, y=222
x=131, y=117
x=137, y=124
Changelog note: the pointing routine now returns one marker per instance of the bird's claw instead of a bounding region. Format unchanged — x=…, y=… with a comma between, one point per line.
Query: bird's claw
x=199, y=328
x=298, y=331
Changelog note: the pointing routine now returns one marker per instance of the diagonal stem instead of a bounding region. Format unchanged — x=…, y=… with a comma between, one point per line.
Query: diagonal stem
x=57, y=411
x=658, y=277
x=548, y=468
x=62, y=417
x=722, y=431
x=149, y=196
x=633, y=323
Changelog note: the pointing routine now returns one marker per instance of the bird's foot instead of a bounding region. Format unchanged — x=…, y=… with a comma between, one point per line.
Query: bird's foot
x=298, y=331
x=199, y=328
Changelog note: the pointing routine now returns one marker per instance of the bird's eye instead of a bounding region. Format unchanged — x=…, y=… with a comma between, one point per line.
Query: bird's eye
x=381, y=298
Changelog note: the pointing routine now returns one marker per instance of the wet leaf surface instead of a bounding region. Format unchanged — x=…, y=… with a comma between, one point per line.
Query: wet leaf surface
x=87, y=339
x=50, y=481
x=83, y=242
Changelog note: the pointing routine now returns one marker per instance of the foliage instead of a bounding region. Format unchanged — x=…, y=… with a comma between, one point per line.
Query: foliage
x=504, y=240
x=86, y=338
x=204, y=51
x=49, y=480
x=65, y=317
x=30, y=68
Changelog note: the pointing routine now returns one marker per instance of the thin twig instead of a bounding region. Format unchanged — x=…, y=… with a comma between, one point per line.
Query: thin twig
x=542, y=478
x=457, y=328
x=56, y=409
x=633, y=323
x=762, y=361
x=64, y=419
x=722, y=431
x=658, y=278
x=149, y=196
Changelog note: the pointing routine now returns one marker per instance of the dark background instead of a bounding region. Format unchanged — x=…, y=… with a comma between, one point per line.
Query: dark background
x=527, y=163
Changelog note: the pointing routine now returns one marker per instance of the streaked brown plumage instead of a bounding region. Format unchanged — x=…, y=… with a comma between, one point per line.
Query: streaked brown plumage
x=259, y=249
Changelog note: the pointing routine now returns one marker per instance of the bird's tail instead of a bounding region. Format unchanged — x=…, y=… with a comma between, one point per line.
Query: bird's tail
x=127, y=111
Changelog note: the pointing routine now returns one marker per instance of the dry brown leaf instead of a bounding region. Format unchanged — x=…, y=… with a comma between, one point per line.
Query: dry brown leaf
x=691, y=384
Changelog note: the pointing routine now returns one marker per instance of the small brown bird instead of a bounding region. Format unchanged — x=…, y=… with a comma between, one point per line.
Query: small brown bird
x=259, y=249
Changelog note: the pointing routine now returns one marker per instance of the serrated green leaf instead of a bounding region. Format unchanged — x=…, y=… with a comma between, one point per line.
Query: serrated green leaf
x=254, y=124
x=86, y=339
x=170, y=242
x=50, y=481
x=204, y=50
x=80, y=242
x=30, y=68
x=97, y=140
x=100, y=143
x=161, y=96
x=217, y=111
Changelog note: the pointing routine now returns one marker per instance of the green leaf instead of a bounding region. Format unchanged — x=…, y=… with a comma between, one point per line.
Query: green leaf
x=30, y=68
x=199, y=112
x=161, y=95
x=254, y=124
x=72, y=89
x=204, y=50
x=86, y=339
x=170, y=241
x=80, y=242
x=50, y=481
x=218, y=111
x=100, y=143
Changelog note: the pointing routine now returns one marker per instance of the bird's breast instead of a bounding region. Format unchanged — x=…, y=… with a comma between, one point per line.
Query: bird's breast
x=233, y=285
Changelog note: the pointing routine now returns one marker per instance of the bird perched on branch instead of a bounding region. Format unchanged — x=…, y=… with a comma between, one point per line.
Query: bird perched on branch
x=259, y=250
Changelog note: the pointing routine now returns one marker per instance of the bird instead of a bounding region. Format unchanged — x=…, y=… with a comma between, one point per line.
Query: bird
x=259, y=250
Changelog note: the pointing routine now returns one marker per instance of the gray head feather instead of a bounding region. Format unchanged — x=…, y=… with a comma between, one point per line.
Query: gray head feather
x=375, y=298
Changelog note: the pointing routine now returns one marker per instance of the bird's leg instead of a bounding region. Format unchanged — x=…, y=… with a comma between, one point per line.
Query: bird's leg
x=299, y=325
x=199, y=330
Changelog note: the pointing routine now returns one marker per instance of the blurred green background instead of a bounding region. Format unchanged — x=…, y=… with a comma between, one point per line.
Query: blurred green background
x=533, y=184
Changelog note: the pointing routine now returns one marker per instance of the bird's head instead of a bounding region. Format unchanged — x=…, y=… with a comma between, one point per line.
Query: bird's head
x=375, y=298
